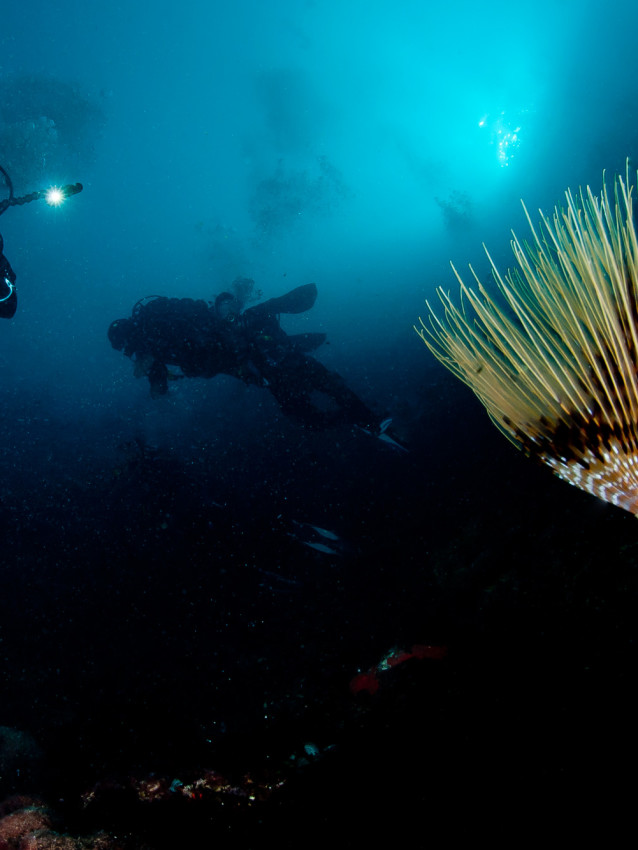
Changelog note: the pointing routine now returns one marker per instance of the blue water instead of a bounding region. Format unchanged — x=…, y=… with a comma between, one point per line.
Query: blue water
x=160, y=610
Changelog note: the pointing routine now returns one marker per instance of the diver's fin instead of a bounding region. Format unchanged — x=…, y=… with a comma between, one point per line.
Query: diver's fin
x=381, y=433
x=296, y=301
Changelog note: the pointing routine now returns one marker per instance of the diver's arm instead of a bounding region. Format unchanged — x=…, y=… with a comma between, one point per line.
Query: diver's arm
x=296, y=301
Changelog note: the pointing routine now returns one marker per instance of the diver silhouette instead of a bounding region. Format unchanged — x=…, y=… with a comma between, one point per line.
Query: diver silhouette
x=204, y=339
x=8, y=295
x=54, y=196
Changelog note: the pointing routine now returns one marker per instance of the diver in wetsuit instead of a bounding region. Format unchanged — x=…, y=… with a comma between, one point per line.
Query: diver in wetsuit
x=8, y=296
x=54, y=196
x=205, y=339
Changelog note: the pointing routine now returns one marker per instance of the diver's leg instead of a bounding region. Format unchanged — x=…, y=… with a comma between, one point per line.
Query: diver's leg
x=292, y=396
x=350, y=408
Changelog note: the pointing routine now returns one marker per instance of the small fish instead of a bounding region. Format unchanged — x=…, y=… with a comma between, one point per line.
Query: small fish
x=320, y=547
x=313, y=536
x=329, y=535
x=322, y=532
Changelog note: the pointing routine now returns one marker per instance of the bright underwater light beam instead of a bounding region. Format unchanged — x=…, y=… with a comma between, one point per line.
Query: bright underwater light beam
x=54, y=196
x=505, y=133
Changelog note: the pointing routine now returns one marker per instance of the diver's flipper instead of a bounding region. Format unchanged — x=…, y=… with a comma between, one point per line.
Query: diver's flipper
x=307, y=342
x=383, y=427
x=296, y=301
x=381, y=433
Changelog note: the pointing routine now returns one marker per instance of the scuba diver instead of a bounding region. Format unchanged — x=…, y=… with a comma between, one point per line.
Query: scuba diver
x=8, y=296
x=54, y=197
x=205, y=339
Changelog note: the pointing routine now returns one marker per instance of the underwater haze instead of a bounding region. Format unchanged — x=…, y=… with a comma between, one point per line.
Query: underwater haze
x=190, y=584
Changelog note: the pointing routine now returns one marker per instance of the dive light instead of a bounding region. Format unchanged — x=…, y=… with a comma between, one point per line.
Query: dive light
x=57, y=194
x=54, y=196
